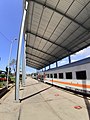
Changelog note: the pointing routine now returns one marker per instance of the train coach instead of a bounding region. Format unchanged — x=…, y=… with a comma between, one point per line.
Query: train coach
x=74, y=76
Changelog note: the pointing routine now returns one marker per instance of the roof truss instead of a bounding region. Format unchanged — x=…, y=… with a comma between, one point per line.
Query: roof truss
x=55, y=10
x=52, y=44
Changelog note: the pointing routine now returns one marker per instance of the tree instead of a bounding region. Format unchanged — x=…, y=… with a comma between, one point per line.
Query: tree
x=7, y=70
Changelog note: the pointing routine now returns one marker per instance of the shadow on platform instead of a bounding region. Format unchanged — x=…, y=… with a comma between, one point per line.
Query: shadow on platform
x=87, y=105
x=34, y=94
x=32, y=84
x=86, y=99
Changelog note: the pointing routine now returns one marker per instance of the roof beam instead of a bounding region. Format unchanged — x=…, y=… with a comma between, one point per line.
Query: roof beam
x=29, y=61
x=33, y=66
x=55, y=10
x=42, y=51
x=37, y=35
x=36, y=60
x=37, y=57
x=33, y=63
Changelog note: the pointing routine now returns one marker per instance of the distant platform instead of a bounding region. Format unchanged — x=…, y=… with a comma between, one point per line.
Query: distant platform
x=39, y=101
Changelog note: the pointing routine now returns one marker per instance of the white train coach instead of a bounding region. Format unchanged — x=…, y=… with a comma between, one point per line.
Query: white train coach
x=74, y=76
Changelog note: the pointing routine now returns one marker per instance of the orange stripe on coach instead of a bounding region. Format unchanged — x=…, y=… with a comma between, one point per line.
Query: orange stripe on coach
x=72, y=84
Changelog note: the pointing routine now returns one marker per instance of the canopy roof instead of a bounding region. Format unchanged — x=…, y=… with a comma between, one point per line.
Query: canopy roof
x=55, y=29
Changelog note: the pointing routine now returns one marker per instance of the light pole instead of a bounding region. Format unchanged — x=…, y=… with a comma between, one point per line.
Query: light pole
x=9, y=60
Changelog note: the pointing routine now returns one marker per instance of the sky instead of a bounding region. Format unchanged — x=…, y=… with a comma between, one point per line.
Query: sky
x=10, y=20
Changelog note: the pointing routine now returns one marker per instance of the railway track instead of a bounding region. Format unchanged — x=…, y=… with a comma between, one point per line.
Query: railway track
x=4, y=90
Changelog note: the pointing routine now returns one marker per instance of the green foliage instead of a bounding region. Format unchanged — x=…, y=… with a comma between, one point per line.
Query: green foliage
x=12, y=79
x=2, y=84
x=2, y=75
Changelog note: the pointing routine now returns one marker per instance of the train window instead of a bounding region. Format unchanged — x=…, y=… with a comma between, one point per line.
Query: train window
x=47, y=75
x=60, y=75
x=51, y=76
x=81, y=75
x=55, y=75
x=68, y=75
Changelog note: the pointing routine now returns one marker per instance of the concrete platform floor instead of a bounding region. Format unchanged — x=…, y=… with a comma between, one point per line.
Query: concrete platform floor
x=40, y=101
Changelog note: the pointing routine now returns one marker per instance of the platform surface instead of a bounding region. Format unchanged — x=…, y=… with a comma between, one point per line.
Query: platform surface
x=41, y=101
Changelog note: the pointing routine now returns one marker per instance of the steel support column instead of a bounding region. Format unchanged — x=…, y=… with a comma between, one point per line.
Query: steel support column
x=19, y=54
x=24, y=65
x=69, y=58
x=56, y=64
x=49, y=66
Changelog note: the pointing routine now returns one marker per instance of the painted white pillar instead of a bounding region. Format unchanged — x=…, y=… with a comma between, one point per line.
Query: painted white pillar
x=24, y=64
x=19, y=54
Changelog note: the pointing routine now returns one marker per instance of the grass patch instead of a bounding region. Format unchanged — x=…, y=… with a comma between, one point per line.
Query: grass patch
x=2, y=84
x=12, y=79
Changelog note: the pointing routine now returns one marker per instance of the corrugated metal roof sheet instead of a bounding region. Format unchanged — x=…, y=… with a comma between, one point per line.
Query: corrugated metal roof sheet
x=55, y=29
